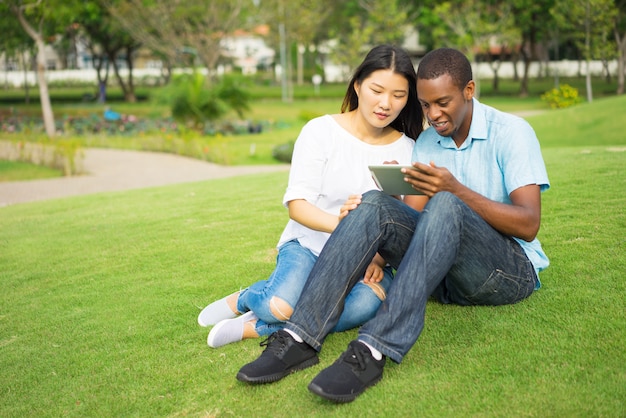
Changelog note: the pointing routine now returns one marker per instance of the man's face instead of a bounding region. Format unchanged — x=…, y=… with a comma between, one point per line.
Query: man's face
x=447, y=108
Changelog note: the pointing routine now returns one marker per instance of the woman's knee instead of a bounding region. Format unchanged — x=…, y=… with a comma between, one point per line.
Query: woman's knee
x=280, y=309
x=377, y=289
x=373, y=196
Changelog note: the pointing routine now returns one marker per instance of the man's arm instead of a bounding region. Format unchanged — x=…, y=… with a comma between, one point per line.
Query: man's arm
x=519, y=219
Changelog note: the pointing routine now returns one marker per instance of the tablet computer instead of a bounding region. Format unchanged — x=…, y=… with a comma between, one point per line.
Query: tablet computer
x=390, y=179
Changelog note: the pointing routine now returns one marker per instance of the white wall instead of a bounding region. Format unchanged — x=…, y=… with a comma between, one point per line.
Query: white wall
x=563, y=68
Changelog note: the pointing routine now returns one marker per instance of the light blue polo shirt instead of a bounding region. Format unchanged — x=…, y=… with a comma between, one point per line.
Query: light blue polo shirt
x=501, y=154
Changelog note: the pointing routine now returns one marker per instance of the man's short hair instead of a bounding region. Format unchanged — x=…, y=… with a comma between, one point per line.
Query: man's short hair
x=445, y=61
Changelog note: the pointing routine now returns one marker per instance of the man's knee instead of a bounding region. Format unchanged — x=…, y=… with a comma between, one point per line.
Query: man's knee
x=444, y=199
x=445, y=206
x=280, y=309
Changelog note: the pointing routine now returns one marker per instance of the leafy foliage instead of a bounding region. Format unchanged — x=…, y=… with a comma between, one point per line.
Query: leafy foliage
x=283, y=152
x=194, y=101
x=564, y=96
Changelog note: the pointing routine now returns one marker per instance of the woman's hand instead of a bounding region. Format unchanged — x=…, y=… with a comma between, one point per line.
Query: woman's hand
x=374, y=272
x=353, y=201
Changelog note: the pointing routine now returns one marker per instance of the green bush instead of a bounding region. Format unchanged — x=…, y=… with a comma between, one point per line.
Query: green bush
x=194, y=101
x=307, y=115
x=564, y=96
x=283, y=152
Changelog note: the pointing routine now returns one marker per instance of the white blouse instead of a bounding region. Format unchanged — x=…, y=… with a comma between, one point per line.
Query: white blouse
x=328, y=165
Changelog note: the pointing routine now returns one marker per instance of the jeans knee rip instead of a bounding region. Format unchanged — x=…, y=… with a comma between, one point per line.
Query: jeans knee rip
x=280, y=309
x=378, y=290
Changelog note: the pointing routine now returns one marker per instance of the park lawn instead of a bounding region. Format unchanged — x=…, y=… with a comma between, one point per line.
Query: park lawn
x=17, y=171
x=101, y=295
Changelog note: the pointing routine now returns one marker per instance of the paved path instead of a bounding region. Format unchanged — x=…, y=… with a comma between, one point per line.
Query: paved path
x=112, y=170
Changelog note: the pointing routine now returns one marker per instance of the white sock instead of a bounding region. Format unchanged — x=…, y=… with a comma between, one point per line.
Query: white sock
x=295, y=336
x=375, y=353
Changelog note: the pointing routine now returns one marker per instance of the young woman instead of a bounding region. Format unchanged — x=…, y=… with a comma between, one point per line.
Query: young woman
x=379, y=120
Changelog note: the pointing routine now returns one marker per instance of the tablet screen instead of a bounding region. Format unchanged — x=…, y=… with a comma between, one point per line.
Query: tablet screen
x=390, y=179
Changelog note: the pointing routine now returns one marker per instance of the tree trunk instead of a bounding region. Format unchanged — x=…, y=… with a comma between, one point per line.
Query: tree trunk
x=46, y=106
x=607, y=71
x=588, y=82
x=495, y=67
x=130, y=96
x=26, y=87
x=588, y=53
x=621, y=57
x=6, y=71
x=527, y=54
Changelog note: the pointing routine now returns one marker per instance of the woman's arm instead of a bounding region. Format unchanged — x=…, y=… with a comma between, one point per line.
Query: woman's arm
x=311, y=216
x=416, y=201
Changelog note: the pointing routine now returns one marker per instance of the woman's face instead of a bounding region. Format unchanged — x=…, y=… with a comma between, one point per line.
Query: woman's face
x=382, y=96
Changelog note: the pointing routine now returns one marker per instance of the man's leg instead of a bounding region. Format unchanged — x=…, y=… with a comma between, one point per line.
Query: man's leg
x=453, y=248
x=380, y=223
x=451, y=241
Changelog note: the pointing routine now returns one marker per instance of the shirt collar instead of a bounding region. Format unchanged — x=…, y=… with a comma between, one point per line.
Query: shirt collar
x=478, y=128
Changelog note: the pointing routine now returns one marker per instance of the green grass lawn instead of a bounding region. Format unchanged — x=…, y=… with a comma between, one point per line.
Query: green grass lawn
x=17, y=171
x=101, y=294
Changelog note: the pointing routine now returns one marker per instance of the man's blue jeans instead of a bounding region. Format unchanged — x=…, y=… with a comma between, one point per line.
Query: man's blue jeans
x=447, y=251
x=293, y=265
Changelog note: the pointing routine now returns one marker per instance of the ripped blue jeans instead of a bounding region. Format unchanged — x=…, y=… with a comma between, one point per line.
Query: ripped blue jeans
x=293, y=265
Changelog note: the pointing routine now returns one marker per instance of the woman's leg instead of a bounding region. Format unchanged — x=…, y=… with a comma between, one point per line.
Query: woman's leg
x=363, y=301
x=273, y=300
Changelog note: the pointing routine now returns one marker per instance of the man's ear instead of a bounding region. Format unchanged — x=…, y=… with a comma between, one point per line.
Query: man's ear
x=468, y=91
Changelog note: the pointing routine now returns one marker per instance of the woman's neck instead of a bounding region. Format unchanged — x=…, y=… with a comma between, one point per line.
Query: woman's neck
x=367, y=133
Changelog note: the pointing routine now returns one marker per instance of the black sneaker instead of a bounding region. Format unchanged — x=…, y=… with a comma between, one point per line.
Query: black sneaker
x=283, y=355
x=350, y=375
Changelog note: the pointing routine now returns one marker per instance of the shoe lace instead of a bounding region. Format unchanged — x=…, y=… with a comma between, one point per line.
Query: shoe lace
x=355, y=356
x=277, y=337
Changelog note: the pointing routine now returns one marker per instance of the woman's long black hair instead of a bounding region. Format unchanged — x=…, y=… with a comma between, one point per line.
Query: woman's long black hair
x=390, y=57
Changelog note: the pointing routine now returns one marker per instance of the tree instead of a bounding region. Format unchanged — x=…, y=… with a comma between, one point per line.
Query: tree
x=588, y=23
x=295, y=25
x=32, y=18
x=475, y=27
x=369, y=22
x=534, y=20
x=108, y=42
x=15, y=43
x=175, y=29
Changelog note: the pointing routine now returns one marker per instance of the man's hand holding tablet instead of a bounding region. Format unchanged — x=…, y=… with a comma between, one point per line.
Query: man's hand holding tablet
x=390, y=179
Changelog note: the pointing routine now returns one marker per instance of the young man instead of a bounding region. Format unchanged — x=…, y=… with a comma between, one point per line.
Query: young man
x=474, y=242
